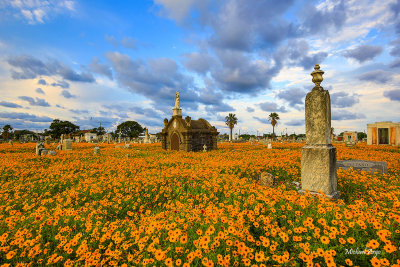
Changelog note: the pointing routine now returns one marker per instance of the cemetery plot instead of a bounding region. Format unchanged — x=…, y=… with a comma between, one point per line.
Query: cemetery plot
x=162, y=207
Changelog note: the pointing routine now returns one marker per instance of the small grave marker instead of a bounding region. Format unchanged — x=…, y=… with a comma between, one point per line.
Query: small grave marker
x=267, y=179
x=363, y=165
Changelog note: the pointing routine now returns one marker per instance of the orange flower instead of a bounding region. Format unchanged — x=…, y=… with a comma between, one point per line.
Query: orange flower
x=168, y=262
x=325, y=240
x=384, y=262
x=375, y=262
x=348, y=262
x=10, y=254
x=351, y=240
x=259, y=256
x=373, y=244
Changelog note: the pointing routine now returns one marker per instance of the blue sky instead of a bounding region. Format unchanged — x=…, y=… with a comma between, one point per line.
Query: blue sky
x=112, y=61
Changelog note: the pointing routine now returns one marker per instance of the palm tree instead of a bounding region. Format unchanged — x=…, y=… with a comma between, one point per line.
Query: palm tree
x=231, y=120
x=6, y=130
x=273, y=118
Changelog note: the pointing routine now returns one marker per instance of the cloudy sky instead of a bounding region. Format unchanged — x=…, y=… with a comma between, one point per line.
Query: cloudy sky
x=111, y=61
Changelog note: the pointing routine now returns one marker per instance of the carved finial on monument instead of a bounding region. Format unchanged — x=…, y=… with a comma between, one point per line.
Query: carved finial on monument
x=317, y=76
x=176, y=99
x=188, y=120
x=177, y=111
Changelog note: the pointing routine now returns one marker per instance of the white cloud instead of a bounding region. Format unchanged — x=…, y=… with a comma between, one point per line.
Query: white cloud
x=38, y=11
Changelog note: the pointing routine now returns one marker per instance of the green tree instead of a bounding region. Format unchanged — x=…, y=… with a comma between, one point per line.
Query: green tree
x=58, y=127
x=6, y=131
x=19, y=134
x=99, y=131
x=247, y=136
x=361, y=135
x=273, y=118
x=130, y=129
x=231, y=121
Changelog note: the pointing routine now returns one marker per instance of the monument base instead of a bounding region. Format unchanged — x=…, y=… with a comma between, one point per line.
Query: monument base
x=177, y=112
x=336, y=195
x=318, y=169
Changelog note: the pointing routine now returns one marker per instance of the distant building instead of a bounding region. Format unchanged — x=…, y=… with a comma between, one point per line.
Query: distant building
x=90, y=137
x=350, y=137
x=383, y=133
x=107, y=138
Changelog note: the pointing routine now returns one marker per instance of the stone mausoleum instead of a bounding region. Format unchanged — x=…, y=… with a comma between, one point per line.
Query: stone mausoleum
x=350, y=136
x=187, y=134
x=383, y=133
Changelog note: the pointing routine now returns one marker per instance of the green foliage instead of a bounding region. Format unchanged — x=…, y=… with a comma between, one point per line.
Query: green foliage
x=99, y=131
x=130, y=129
x=247, y=136
x=273, y=118
x=19, y=134
x=6, y=131
x=58, y=127
x=361, y=135
x=231, y=121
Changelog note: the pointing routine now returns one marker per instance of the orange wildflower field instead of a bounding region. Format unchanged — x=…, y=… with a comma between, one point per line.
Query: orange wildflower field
x=142, y=206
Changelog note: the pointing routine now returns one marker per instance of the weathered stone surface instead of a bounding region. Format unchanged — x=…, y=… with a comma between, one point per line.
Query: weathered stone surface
x=44, y=152
x=318, y=169
x=59, y=147
x=53, y=153
x=267, y=179
x=39, y=147
x=318, y=156
x=363, y=165
x=318, y=114
x=67, y=144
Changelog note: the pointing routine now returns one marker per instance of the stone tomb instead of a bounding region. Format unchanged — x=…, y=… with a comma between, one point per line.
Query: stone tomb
x=363, y=165
x=187, y=134
x=383, y=133
x=318, y=156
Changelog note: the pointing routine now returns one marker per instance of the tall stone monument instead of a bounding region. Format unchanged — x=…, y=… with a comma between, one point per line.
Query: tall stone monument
x=146, y=136
x=318, y=156
x=177, y=111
